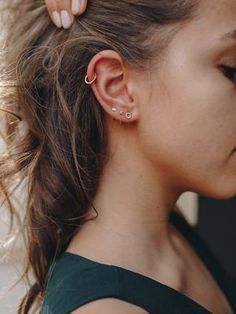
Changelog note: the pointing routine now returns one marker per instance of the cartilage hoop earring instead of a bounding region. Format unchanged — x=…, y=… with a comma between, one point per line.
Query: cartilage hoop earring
x=89, y=82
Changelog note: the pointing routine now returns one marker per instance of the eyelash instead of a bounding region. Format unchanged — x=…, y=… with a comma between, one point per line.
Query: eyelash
x=229, y=72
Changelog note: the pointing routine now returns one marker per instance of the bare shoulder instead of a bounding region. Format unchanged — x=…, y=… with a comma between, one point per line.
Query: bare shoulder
x=109, y=306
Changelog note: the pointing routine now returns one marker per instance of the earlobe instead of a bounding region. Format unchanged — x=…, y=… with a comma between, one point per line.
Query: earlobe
x=128, y=114
x=107, y=77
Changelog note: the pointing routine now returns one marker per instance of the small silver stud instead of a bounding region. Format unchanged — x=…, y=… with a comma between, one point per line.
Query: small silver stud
x=114, y=109
x=128, y=115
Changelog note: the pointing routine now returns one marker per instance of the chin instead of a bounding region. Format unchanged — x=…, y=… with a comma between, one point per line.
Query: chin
x=220, y=192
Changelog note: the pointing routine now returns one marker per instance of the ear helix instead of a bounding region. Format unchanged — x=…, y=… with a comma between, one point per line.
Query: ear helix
x=90, y=82
x=127, y=114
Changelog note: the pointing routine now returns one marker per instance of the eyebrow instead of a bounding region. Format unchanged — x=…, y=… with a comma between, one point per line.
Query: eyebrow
x=229, y=36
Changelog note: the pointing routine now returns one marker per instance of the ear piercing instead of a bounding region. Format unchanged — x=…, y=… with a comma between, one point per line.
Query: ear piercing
x=128, y=114
x=89, y=82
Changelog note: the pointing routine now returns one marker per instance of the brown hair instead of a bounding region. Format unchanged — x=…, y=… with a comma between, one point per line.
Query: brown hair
x=63, y=146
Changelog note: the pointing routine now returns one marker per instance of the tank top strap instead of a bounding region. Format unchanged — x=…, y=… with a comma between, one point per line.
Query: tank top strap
x=75, y=280
x=84, y=283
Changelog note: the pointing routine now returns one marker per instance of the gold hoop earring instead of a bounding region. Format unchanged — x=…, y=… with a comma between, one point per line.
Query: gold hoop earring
x=90, y=82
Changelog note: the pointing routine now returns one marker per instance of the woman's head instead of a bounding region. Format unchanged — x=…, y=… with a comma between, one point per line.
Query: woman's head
x=184, y=108
x=151, y=59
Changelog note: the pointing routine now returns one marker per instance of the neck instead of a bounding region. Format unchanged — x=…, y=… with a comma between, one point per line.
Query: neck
x=132, y=230
x=134, y=204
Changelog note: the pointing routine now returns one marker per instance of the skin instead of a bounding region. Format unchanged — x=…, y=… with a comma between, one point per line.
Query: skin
x=180, y=138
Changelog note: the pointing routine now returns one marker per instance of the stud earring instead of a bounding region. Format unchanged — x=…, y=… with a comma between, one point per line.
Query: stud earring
x=90, y=82
x=128, y=115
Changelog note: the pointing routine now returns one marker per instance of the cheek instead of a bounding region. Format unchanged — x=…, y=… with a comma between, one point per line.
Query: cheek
x=188, y=137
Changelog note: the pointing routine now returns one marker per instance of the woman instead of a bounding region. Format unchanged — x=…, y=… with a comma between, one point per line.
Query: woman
x=124, y=113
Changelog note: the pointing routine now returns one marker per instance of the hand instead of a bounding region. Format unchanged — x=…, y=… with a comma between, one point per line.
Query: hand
x=62, y=11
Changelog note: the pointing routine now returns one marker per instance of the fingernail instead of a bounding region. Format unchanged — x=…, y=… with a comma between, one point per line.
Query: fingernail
x=66, y=19
x=75, y=7
x=56, y=19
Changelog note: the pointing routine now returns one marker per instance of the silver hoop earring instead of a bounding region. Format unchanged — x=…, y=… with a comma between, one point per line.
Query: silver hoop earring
x=90, y=82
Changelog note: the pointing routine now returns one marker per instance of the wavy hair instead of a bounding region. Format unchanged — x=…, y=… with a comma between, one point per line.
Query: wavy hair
x=56, y=139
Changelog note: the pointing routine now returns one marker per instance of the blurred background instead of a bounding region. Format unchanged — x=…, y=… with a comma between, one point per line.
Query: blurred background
x=11, y=256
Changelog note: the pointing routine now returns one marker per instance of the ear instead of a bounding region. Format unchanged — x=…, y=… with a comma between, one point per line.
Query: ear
x=113, y=86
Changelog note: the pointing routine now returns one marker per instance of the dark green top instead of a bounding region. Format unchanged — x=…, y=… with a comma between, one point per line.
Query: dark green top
x=75, y=280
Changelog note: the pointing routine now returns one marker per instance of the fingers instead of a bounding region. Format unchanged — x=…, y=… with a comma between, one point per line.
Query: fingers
x=62, y=11
x=78, y=7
